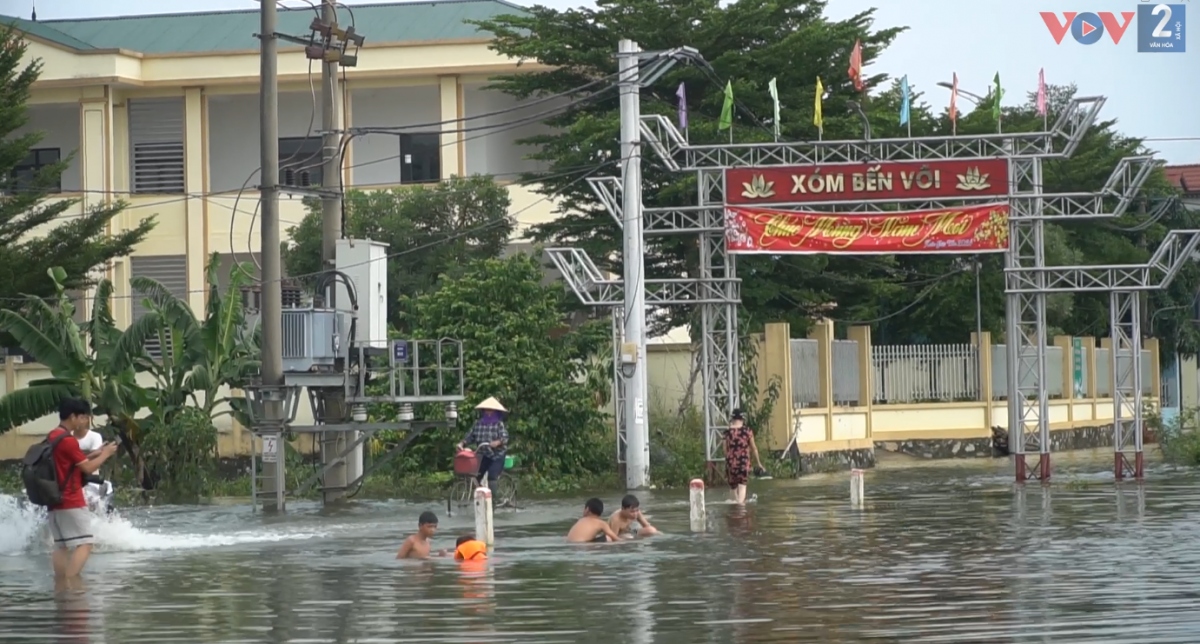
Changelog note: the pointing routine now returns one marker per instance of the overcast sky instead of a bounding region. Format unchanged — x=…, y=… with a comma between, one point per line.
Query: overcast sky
x=1153, y=95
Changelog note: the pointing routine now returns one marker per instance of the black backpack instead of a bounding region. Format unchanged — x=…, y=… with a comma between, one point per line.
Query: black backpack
x=40, y=475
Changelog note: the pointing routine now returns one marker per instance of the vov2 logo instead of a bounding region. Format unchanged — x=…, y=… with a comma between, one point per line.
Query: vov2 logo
x=1160, y=28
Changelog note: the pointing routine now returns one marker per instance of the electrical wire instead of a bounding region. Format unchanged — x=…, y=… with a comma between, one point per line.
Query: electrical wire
x=450, y=237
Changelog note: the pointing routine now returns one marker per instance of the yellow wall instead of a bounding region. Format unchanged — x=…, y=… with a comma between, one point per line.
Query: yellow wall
x=829, y=427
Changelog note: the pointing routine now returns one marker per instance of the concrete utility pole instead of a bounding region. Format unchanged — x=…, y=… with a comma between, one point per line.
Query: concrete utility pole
x=637, y=443
x=272, y=275
x=332, y=443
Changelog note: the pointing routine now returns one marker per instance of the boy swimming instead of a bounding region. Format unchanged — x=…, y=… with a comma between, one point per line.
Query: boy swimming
x=591, y=528
x=468, y=548
x=629, y=520
x=417, y=546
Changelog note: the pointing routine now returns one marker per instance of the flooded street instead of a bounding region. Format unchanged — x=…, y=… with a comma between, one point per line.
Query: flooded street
x=948, y=552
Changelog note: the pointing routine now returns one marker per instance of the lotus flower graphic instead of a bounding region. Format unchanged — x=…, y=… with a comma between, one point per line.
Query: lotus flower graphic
x=973, y=180
x=758, y=188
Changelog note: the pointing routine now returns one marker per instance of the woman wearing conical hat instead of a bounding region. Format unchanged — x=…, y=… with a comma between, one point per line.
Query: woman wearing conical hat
x=491, y=436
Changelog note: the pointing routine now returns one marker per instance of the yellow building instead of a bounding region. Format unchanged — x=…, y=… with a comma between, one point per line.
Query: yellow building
x=162, y=111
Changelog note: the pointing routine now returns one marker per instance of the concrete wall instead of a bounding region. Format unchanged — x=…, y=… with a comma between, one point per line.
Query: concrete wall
x=59, y=126
x=233, y=151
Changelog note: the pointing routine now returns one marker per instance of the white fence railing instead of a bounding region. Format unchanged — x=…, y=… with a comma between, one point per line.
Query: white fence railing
x=914, y=373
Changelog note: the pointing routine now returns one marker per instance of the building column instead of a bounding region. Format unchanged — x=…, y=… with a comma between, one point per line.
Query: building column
x=822, y=332
x=451, y=154
x=96, y=164
x=195, y=184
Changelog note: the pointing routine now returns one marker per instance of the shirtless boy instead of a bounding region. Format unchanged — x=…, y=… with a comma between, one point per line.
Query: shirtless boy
x=629, y=520
x=591, y=528
x=417, y=546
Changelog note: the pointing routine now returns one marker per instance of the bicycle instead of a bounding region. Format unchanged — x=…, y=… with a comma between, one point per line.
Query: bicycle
x=461, y=492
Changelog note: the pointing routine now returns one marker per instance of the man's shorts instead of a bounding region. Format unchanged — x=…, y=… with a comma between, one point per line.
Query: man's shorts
x=70, y=528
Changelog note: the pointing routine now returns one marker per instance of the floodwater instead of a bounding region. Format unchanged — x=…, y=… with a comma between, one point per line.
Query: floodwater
x=949, y=552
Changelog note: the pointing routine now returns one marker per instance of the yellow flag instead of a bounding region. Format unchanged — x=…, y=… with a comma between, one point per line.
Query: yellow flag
x=818, y=120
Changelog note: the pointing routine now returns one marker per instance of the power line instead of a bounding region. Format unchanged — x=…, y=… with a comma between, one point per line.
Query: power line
x=451, y=237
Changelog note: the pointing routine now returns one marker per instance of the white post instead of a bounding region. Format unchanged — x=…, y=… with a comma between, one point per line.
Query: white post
x=856, y=488
x=637, y=442
x=483, y=516
x=698, y=514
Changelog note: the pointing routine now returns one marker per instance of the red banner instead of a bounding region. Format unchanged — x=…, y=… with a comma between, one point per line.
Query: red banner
x=975, y=229
x=867, y=182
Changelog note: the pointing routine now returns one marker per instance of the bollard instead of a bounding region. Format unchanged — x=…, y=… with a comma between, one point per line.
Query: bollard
x=856, y=488
x=697, y=514
x=483, y=516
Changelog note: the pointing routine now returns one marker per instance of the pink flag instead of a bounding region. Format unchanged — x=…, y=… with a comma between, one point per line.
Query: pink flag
x=855, y=71
x=1041, y=96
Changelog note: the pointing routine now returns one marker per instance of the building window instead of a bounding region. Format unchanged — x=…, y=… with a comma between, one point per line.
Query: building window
x=156, y=145
x=300, y=162
x=26, y=171
x=420, y=158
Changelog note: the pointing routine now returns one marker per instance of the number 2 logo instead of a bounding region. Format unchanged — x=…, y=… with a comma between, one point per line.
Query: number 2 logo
x=1165, y=11
x=1161, y=28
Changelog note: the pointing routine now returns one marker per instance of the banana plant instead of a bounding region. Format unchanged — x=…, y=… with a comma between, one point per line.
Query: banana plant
x=85, y=361
x=198, y=357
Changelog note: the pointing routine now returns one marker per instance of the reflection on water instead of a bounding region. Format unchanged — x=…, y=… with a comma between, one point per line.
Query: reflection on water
x=945, y=553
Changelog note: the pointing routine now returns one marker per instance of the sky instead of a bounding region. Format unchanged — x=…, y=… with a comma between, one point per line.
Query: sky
x=1151, y=95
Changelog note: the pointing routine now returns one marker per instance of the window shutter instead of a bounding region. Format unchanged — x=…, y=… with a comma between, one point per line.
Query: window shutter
x=156, y=145
x=168, y=270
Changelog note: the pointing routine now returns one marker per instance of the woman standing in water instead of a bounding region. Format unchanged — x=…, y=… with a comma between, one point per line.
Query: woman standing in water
x=739, y=445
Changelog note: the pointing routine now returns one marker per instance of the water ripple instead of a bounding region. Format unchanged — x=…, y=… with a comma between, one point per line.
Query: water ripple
x=943, y=554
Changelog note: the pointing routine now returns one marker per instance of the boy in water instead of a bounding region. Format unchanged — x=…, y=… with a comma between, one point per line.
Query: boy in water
x=591, y=528
x=629, y=520
x=417, y=546
x=468, y=548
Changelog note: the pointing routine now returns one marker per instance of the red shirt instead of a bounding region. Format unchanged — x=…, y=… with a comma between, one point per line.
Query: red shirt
x=70, y=479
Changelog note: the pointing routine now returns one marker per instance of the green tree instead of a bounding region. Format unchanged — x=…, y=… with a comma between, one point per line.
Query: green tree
x=519, y=348
x=748, y=42
x=36, y=234
x=943, y=309
x=430, y=231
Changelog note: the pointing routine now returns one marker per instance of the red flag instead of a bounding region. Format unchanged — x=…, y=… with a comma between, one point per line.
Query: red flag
x=855, y=70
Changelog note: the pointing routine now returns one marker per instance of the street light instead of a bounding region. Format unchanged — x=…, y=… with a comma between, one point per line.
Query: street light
x=971, y=96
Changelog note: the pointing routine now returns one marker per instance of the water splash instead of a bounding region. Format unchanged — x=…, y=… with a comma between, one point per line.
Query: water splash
x=25, y=532
x=23, y=524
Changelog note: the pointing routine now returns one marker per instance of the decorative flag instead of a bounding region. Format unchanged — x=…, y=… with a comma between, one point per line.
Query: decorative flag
x=855, y=70
x=818, y=120
x=905, y=101
x=954, y=105
x=681, y=94
x=771, y=87
x=998, y=94
x=726, y=122
x=1041, y=95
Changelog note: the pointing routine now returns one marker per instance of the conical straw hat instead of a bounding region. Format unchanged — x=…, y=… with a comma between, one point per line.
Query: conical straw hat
x=491, y=404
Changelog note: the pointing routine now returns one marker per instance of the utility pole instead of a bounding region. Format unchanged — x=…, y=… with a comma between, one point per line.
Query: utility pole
x=272, y=275
x=333, y=444
x=637, y=444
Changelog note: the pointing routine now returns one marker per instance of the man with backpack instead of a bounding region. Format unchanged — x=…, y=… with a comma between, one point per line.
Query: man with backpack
x=54, y=472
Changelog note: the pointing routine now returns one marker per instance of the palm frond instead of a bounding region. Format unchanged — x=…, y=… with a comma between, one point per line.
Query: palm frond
x=131, y=346
x=31, y=403
x=46, y=346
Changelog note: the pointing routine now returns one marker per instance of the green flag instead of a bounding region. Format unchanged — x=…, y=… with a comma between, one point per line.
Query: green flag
x=726, y=122
x=999, y=93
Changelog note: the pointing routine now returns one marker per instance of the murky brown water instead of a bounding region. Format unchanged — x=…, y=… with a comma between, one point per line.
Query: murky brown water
x=947, y=553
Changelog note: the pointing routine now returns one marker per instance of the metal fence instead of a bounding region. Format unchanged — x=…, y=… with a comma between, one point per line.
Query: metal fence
x=938, y=373
x=909, y=373
x=806, y=373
